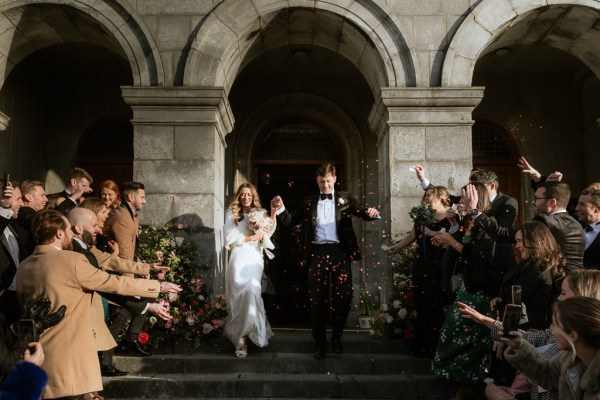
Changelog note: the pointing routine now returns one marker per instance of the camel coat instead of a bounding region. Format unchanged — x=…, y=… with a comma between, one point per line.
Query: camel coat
x=66, y=277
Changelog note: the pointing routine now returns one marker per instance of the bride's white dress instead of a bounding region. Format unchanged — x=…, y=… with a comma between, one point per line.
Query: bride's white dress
x=247, y=316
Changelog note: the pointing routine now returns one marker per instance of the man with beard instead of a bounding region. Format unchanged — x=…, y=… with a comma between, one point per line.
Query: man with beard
x=85, y=227
x=67, y=278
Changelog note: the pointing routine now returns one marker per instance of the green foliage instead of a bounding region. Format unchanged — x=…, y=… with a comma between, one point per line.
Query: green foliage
x=195, y=313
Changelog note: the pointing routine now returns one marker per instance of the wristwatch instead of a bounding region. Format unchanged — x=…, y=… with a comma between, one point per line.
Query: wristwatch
x=475, y=213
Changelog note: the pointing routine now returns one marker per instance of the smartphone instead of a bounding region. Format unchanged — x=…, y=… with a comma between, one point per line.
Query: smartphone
x=516, y=294
x=512, y=317
x=27, y=333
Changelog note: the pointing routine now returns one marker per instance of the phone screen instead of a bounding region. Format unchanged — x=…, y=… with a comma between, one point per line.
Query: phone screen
x=512, y=317
x=27, y=333
x=516, y=294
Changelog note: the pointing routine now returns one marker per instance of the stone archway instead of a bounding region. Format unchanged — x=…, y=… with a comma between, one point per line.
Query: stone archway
x=354, y=31
x=568, y=25
x=120, y=30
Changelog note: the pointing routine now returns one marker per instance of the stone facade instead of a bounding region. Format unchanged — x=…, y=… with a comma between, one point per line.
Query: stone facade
x=392, y=83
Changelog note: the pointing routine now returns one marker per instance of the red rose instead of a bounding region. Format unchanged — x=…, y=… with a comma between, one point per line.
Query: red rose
x=143, y=338
x=408, y=334
x=409, y=296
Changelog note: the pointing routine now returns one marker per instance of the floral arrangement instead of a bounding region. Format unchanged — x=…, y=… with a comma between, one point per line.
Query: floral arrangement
x=195, y=314
x=422, y=214
x=259, y=220
x=396, y=318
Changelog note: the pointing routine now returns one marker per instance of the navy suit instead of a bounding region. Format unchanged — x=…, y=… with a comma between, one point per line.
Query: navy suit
x=329, y=263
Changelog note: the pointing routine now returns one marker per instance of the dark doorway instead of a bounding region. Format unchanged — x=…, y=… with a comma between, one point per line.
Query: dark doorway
x=293, y=182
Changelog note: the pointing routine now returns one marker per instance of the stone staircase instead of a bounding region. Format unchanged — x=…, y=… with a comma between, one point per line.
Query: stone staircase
x=286, y=369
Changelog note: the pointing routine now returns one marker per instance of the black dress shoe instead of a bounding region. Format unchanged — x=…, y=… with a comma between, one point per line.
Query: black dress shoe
x=336, y=345
x=135, y=347
x=319, y=354
x=111, y=370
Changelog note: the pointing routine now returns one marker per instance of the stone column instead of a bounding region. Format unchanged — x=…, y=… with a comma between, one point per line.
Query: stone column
x=179, y=155
x=4, y=121
x=428, y=126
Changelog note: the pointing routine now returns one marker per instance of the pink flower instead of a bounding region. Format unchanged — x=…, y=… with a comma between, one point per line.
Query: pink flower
x=217, y=323
x=160, y=255
x=161, y=276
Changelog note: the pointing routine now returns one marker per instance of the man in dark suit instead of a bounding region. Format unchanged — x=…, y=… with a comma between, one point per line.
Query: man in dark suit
x=80, y=182
x=85, y=227
x=11, y=252
x=550, y=201
x=330, y=245
x=588, y=213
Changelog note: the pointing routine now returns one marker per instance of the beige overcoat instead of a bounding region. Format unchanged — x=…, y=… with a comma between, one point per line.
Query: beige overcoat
x=66, y=277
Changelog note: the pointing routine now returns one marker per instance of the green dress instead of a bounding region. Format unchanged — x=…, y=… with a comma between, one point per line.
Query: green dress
x=464, y=348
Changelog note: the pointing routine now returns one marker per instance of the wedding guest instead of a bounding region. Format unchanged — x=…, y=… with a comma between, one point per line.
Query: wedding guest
x=330, y=245
x=463, y=350
x=498, y=221
x=542, y=265
x=247, y=231
x=550, y=201
x=575, y=372
x=34, y=201
x=27, y=379
x=577, y=283
x=427, y=272
x=122, y=226
x=79, y=184
x=11, y=250
x=588, y=213
x=66, y=277
x=99, y=208
x=110, y=194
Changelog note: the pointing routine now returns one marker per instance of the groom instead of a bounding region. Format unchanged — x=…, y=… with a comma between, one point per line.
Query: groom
x=330, y=245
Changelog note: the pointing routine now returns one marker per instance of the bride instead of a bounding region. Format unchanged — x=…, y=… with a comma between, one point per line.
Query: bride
x=247, y=317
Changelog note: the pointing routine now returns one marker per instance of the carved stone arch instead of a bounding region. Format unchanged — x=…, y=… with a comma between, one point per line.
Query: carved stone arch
x=361, y=32
x=481, y=30
x=300, y=106
x=125, y=34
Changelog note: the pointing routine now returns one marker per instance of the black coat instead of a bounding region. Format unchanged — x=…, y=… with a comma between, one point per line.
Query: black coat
x=568, y=234
x=345, y=207
x=591, y=255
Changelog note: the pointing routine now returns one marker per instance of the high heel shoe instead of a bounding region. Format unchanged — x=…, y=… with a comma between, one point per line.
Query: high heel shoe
x=242, y=349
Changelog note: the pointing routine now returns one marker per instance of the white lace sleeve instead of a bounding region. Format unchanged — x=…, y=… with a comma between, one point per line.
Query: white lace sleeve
x=233, y=236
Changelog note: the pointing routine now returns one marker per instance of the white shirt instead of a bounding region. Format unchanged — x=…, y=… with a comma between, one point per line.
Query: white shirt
x=591, y=235
x=326, y=228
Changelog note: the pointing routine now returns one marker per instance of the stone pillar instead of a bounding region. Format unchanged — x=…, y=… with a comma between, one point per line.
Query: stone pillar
x=4, y=121
x=179, y=155
x=428, y=126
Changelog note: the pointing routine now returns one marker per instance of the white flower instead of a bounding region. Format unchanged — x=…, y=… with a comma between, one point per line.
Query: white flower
x=201, y=298
x=190, y=320
x=152, y=320
x=172, y=296
x=206, y=328
x=402, y=313
x=371, y=332
x=384, y=307
x=397, y=276
x=396, y=303
x=389, y=319
x=402, y=284
x=341, y=201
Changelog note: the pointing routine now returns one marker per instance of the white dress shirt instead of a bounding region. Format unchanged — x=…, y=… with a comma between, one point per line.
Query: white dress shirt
x=326, y=228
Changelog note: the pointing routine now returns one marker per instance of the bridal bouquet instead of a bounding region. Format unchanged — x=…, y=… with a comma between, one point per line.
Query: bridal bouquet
x=260, y=222
x=422, y=214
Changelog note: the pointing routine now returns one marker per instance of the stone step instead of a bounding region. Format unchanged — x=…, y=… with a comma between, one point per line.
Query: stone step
x=300, y=341
x=257, y=385
x=274, y=363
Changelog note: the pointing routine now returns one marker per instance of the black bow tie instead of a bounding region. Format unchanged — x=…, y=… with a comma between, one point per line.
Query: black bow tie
x=589, y=228
x=326, y=196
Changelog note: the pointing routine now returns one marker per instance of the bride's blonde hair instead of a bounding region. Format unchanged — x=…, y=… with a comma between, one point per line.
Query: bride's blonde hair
x=235, y=207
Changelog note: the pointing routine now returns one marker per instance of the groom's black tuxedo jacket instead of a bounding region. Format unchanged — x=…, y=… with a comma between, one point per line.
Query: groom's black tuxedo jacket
x=345, y=207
